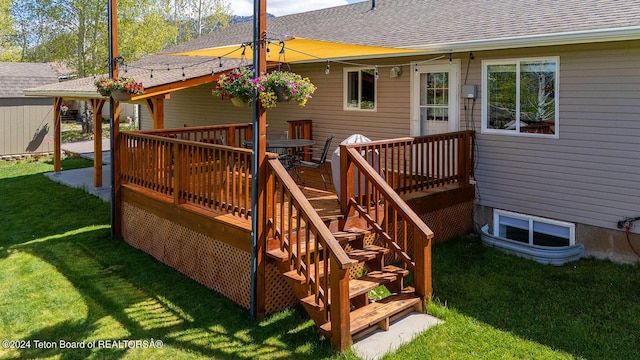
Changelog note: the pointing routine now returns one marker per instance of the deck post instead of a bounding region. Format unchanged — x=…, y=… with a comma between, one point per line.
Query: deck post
x=96, y=107
x=422, y=258
x=57, y=164
x=463, y=158
x=346, y=181
x=340, y=315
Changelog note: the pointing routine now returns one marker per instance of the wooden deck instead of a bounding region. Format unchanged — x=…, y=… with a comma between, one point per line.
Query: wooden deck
x=201, y=193
x=325, y=202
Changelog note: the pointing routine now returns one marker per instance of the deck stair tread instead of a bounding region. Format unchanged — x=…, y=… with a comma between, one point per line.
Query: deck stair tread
x=293, y=275
x=375, y=312
x=365, y=283
x=349, y=234
x=365, y=316
x=283, y=255
x=367, y=253
x=342, y=237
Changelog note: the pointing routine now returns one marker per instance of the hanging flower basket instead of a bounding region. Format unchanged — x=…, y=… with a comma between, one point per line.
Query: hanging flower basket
x=273, y=87
x=281, y=93
x=237, y=102
x=236, y=86
x=278, y=86
x=119, y=89
x=120, y=95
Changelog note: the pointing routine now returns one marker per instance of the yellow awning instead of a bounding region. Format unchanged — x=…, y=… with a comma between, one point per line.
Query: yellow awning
x=301, y=50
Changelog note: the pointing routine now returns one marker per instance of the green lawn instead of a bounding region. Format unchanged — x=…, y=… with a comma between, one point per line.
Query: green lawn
x=63, y=278
x=72, y=131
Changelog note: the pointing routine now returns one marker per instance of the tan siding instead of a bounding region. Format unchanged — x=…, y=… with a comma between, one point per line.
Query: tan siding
x=26, y=125
x=590, y=174
x=196, y=106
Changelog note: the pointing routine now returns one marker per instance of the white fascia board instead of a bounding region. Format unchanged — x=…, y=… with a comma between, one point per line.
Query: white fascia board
x=66, y=94
x=566, y=38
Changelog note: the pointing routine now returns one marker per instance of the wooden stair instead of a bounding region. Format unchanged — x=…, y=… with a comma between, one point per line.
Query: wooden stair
x=365, y=315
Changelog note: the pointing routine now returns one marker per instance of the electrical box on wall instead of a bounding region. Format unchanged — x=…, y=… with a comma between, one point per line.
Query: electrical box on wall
x=469, y=91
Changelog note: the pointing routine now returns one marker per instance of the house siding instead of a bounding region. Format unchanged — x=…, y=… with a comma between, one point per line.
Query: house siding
x=196, y=106
x=589, y=175
x=26, y=126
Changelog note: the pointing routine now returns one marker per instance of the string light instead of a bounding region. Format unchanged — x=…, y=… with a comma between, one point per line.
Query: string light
x=281, y=59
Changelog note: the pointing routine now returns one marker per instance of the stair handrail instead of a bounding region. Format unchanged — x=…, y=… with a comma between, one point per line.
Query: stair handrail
x=338, y=268
x=421, y=260
x=314, y=219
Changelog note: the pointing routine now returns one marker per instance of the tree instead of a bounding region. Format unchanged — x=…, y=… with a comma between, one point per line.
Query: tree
x=8, y=52
x=75, y=31
x=143, y=28
x=200, y=17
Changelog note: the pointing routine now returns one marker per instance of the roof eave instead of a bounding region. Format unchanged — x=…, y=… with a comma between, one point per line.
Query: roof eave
x=64, y=94
x=566, y=38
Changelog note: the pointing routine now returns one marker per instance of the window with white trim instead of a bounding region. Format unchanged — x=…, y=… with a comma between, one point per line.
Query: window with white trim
x=360, y=88
x=520, y=96
x=533, y=230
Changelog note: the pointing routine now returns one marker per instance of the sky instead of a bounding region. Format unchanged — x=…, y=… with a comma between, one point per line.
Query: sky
x=286, y=7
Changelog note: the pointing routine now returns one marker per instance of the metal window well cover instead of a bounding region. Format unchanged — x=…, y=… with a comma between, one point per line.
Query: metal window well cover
x=554, y=255
x=372, y=157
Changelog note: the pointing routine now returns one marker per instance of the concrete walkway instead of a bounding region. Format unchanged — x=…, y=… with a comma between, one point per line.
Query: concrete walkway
x=379, y=343
x=85, y=149
x=83, y=178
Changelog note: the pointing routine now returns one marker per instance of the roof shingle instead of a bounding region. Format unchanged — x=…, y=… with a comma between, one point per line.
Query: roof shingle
x=423, y=24
x=15, y=77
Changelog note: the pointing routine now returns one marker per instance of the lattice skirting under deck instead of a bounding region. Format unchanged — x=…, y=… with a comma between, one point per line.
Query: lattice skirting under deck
x=213, y=263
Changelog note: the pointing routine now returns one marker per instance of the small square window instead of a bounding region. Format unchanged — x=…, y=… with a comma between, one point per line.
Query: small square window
x=360, y=89
x=532, y=230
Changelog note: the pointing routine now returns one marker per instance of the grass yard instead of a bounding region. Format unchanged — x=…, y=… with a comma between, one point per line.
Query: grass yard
x=63, y=278
x=72, y=131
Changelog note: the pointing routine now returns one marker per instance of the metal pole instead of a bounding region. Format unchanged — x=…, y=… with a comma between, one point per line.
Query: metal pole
x=258, y=183
x=110, y=14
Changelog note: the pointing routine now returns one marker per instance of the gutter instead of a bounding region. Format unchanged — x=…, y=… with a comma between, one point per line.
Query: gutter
x=564, y=38
x=49, y=93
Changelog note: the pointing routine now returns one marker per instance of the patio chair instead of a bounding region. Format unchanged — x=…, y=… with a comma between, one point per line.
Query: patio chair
x=318, y=165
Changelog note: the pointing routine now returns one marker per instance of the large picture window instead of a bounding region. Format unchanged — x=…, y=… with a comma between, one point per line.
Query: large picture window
x=521, y=96
x=360, y=89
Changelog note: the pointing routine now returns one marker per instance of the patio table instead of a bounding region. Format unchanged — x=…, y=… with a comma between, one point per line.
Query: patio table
x=282, y=146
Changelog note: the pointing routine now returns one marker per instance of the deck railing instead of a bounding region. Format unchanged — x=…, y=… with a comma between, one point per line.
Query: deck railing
x=195, y=173
x=421, y=163
x=373, y=174
x=232, y=135
x=297, y=229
